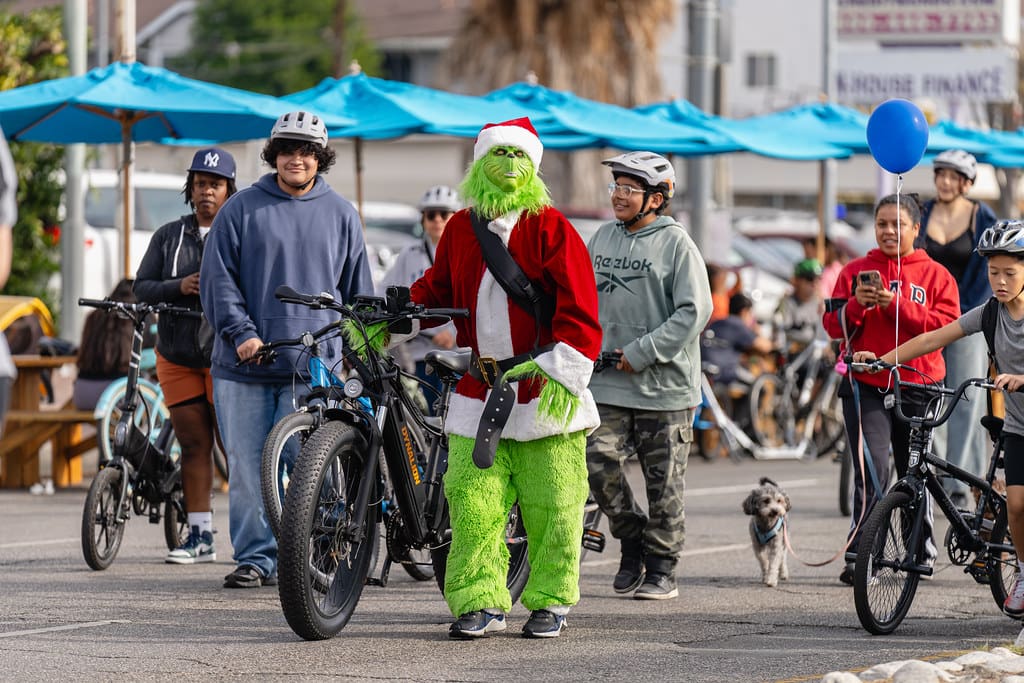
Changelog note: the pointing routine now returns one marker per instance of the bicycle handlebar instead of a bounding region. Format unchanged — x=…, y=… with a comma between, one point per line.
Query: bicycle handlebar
x=371, y=309
x=938, y=389
x=140, y=308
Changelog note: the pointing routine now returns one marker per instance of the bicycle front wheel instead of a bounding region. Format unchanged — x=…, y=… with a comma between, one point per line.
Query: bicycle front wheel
x=1002, y=567
x=323, y=560
x=771, y=412
x=280, y=451
x=102, y=530
x=883, y=589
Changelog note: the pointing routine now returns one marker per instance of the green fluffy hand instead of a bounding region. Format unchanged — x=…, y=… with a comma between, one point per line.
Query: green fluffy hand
x=557, y=405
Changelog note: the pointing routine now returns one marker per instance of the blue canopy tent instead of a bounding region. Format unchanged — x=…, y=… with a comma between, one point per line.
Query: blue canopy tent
x=761, y=138
x=132, y=102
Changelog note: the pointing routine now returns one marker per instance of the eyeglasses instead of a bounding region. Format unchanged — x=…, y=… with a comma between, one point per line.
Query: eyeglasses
x=435, y=214
x=625, y=191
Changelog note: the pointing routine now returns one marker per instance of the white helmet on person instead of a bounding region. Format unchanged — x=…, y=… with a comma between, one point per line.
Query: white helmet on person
x=300, y=125
x=1005, y=237
x=440, y=197
x=652, y=169
x=958, y=160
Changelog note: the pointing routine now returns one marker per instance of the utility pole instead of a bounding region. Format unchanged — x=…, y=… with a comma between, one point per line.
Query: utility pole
x=72, y=256
x=702, y=51
x=827, y=167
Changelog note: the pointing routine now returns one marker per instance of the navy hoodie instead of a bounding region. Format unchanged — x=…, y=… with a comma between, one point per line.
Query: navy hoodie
x=263, y=238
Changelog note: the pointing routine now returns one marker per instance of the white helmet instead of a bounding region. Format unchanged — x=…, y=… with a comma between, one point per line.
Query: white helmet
x=1005, y=237
x=300, y=125
x=650, y=168
x=440, y=197
x=958, y=160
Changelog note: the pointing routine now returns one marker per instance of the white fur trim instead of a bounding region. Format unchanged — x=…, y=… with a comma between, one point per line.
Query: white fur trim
x=493, y=328
x=568, y=367
x=523, y=425
x=516, y=136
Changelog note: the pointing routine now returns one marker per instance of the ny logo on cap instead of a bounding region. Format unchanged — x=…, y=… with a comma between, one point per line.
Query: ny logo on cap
x=211, y=160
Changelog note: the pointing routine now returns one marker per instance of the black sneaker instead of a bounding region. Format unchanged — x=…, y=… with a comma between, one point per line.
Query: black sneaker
x=631, y=574
x=544, y=624
x=657, y=587
x=247, y=576
x=847, y=575
x=476, y=625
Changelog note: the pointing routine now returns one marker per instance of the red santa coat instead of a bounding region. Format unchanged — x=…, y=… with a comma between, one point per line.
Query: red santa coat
x=927, y=298
x=551, y=253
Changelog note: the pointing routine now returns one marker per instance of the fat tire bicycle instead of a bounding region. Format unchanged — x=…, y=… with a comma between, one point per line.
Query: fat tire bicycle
x=337, y=497
x=144, y=472
x=293, y=430
x=891, y=553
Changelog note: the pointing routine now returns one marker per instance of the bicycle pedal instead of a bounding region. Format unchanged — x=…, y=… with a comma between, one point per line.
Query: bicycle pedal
x=593, y=540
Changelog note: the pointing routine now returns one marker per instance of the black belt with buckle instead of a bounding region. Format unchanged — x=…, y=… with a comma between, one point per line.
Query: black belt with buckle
x=499, y=404
x=487, y=369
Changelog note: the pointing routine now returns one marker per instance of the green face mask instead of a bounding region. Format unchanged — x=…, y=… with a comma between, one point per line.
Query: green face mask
x=508, y=168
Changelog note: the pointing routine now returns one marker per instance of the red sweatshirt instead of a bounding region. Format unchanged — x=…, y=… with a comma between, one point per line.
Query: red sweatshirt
x=926, y=297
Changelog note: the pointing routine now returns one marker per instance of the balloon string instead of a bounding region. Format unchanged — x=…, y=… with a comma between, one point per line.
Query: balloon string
x=899, y=261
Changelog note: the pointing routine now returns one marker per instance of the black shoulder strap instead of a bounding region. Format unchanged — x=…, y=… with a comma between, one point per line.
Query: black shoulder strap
x=510, y=276
x=989, y=316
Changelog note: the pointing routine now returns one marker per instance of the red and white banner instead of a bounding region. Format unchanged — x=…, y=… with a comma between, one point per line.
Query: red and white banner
x=919, y=21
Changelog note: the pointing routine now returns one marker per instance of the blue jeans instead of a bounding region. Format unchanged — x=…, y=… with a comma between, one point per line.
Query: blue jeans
x=245, y=414
x=969, y=449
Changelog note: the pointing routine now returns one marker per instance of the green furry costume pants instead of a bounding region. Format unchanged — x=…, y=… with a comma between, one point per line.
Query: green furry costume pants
x=549, y=479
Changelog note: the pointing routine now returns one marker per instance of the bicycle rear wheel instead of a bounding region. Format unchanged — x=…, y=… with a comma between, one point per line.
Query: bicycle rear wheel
x=1002, y=567
x=882, y=590
x=323, y=561
x=830, y=430
x=518, y=561
x=175, y=520
x=102, y=530
x=280, y=451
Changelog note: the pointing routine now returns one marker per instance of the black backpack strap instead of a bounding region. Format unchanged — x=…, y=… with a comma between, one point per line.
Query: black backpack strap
x=510, y=276
x=989, y=316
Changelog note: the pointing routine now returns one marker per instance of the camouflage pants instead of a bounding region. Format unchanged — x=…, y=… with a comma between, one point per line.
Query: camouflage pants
x=661, y=441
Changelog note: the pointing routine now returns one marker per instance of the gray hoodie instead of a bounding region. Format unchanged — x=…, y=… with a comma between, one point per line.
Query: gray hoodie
x=654, y=301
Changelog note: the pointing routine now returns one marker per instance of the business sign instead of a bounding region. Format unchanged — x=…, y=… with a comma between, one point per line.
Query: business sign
x=950, y=74
x=933, y=21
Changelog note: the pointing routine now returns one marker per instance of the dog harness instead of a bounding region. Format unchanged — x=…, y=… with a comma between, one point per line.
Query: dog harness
x=764, y=536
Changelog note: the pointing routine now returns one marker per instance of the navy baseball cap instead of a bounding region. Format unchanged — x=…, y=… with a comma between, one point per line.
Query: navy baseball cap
x=214, y=160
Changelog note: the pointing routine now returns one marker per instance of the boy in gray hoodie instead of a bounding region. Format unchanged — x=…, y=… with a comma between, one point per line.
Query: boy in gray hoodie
x=654, y=300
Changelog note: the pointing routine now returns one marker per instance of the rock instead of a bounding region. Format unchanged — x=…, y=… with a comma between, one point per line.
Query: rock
x=841, y=677
x=916, y=671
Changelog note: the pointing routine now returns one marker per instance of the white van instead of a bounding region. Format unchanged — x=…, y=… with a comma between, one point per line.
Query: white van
x=158, y=200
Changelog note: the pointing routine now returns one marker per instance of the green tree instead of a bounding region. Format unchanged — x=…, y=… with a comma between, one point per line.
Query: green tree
x=275, y=47
x=32, y=49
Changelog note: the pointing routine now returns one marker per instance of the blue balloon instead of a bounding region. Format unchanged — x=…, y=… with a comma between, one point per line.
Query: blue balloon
x=897, y=135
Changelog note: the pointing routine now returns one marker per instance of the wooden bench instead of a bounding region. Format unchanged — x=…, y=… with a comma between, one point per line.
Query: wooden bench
x=30, y=424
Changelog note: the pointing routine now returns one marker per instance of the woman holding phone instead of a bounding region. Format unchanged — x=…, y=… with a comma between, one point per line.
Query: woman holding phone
x=881, y=300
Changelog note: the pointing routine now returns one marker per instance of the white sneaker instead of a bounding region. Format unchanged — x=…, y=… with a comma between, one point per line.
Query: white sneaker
x=198, y=548
x=44, y=487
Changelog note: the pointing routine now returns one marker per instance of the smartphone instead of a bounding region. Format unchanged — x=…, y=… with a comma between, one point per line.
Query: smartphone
x=870, y=278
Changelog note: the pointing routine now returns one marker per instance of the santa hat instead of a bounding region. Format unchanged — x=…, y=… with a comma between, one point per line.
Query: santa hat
x=516, y=132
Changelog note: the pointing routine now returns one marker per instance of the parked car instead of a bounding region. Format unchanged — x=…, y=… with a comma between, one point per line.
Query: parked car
x=388, y=227
x=158, y=199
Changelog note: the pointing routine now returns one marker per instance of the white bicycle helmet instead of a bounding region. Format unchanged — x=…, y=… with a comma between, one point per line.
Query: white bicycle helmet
x=1005, y=237
x=652, y=169
x=440, y=197
x=958, y=160
x=300, y=125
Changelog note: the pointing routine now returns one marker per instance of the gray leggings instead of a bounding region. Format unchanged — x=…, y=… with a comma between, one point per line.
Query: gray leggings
x=881, y=429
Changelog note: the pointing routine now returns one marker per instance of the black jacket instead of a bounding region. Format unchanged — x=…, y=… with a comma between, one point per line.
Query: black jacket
x=176, y=251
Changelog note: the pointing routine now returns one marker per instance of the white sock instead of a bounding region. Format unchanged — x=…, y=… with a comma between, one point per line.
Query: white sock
x=203, y=520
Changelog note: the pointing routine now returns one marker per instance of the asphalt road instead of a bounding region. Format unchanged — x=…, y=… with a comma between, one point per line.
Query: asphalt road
x=145, y=620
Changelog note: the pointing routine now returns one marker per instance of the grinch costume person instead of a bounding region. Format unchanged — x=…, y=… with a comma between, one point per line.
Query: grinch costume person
x=543, y=364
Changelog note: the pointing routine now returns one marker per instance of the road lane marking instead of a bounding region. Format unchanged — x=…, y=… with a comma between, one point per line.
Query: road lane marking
x=29, y=544
x=743, y=488
x=66, y=627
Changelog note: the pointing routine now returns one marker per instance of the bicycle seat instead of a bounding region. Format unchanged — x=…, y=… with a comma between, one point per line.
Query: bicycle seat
x=994, y=425
x=452, y=363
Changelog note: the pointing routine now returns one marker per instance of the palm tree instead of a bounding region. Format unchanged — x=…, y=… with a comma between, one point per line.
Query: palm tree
x=604, y=50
